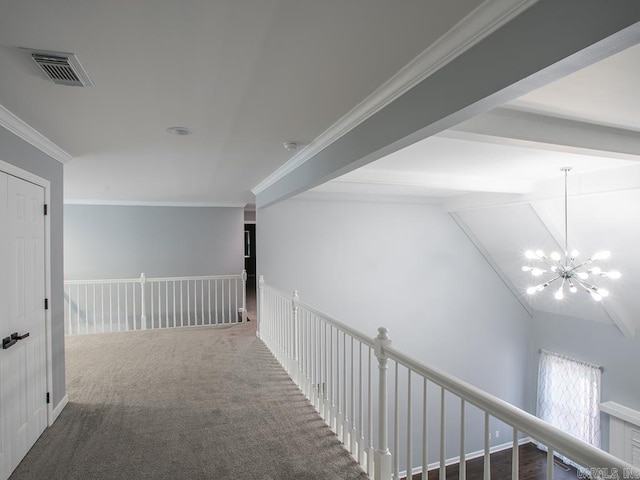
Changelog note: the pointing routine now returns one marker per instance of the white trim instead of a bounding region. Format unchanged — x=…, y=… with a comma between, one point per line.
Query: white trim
x=469, y=456
x=46, y=185
x=136, y=203
x=477, y=25
x=325, y=196
x=58, y=409
x=30, y=135
x=620, y=411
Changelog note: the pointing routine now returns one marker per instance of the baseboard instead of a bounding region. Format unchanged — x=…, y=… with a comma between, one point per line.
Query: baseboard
x=58, y=409
x=469, y=456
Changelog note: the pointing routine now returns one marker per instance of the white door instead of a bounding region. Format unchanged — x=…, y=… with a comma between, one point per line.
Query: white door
x=23, y=414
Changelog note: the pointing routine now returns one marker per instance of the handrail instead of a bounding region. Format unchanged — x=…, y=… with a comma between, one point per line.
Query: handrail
x=574, y=448
x=150, y=279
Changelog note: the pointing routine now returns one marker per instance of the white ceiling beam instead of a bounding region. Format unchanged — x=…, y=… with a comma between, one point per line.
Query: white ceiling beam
x=517, y=58
x=592, y=183
x=507, y=126
x=437, y=181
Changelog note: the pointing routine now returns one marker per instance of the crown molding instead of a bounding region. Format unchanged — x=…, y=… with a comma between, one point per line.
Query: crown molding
x=30, y=135
x=480, y=23
x=135, y=203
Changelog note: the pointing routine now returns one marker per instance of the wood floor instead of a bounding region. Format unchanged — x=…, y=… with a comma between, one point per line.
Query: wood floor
x=533, y=466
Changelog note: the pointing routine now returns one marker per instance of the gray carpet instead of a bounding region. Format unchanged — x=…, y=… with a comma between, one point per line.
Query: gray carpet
x=193, y=403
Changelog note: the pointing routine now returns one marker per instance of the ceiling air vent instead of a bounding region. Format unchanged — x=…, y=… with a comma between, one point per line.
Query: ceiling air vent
x=62, y=68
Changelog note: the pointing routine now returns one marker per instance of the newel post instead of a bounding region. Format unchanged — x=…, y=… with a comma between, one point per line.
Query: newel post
x=244, y=295
x=260, y=303
x=293, y=354
x=143, y=314
x=382, y=457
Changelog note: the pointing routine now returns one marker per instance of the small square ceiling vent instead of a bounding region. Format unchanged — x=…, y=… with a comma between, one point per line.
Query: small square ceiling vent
x=62, y=68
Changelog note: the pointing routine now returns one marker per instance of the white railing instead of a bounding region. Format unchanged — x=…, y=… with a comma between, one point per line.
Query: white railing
x=431, y=412
x=114, y=305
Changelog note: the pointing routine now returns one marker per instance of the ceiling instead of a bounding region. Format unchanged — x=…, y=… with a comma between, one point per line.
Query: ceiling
x=244, y=76
x=248, y=75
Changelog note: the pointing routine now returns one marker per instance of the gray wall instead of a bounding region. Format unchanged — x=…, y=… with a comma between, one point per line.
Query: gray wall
x=408, y=267
x=17, y=152
x=595, y=343
x=124, y=241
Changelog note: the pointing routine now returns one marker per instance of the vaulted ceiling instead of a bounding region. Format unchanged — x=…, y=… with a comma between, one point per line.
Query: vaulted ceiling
x=246, y=76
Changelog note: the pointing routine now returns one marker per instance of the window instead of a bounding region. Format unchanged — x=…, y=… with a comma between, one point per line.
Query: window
x=569, y=396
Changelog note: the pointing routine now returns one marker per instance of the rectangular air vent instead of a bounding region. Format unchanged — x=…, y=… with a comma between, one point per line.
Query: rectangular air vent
x=62, y=68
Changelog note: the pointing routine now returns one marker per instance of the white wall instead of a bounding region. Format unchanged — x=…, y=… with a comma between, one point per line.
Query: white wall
x=124, y=241
x=408, y=267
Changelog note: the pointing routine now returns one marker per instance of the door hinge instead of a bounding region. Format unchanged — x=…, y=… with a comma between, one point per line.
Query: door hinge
x=46, y=304
x=48, y=398
x=46, y=209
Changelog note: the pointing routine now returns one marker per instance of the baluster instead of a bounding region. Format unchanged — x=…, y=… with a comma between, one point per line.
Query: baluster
x=382, y=457
x=86, y=309
x=181, y=305
x=102, y=306
x=209, y=298
x=514, y=456
x=352, y=418
x=159, y=304
x=118, y=288
x=360, y=436
x=166, y=302
x=409, y=446
x=143, y=313
x=133, y=310
x=230, y=313
x=189, y=303
x=332, y=405
x=293, y=341
x=216, y=294
x=344, y=420
x=425, y=431
x=126, y=306
x=549, y=463
x=443, y=459
x=396, y=427
x=462, y=475
x=370, y=450
x=110, y=307
x=94, y=319
x=487, y=448
x=78, y=308
x=173, y=304
x=244, y=295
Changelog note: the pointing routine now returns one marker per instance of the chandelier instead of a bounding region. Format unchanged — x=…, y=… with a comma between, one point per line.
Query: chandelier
x=565, y=271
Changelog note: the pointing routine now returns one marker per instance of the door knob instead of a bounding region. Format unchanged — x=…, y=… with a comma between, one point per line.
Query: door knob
x=8, y=342
x=15, y=336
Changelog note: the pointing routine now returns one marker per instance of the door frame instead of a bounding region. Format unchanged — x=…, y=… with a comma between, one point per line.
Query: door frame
x=46, y=185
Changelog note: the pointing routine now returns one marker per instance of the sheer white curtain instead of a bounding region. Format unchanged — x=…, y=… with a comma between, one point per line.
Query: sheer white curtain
x=569, y=396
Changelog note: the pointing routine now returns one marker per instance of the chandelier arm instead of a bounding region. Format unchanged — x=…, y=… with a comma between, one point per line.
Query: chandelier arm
x=573, y=269
x=587, y=286
x=546, y=284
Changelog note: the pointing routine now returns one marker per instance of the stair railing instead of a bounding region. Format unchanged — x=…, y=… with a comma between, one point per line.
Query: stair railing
x=333, y=365
x=113, y=305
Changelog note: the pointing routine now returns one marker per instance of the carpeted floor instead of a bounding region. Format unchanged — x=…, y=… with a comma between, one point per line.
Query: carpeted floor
x=192, y=403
